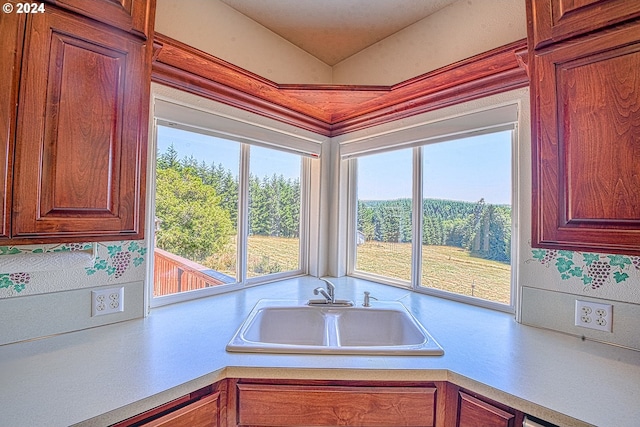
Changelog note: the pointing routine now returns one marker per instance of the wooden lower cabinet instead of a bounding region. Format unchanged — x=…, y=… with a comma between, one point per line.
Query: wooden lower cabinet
x=202, y=413
x=202, y=408
x=292, y=404
x=314, y=403
x=477, y=411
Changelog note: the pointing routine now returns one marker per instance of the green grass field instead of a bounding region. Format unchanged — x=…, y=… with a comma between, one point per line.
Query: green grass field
x=265, y=255
x=444, y=267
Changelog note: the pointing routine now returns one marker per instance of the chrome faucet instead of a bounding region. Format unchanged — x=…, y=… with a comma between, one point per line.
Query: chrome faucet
x=329, y=295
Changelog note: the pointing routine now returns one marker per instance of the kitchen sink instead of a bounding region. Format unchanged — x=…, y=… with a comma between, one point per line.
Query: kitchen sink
x=379, y=327
x=279, y=326
x=287, y=325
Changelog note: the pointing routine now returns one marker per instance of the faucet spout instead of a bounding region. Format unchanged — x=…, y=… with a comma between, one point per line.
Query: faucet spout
x=324, y=293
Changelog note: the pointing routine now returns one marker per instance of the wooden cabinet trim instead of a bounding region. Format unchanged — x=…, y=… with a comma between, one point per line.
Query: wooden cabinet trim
x=336, y=110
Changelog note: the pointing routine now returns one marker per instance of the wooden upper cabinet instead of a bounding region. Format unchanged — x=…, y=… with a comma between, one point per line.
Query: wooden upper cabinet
x=11, y=33
x=134, y=16
x=586, y=143
x=80, y=152
x=557, y=20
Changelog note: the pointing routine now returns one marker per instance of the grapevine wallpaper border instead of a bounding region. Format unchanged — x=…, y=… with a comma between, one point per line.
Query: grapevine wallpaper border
x=594, y=270
x=118, y=260
x=112, y=259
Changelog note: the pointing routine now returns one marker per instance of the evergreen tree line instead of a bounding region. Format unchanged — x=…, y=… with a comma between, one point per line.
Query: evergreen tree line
x=197, y=205
x=484, y=229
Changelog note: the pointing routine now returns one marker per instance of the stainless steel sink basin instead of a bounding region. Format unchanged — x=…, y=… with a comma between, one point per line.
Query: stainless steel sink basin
x=277, y=326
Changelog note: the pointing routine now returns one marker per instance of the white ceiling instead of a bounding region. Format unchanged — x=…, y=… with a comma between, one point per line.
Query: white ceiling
x=333, y=30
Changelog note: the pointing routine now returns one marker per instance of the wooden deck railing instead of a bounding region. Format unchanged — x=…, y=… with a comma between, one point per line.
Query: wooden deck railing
x=173, y=274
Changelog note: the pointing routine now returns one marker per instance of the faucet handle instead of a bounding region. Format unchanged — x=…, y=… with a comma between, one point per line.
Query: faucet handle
x=331, y=289
x=367, y=298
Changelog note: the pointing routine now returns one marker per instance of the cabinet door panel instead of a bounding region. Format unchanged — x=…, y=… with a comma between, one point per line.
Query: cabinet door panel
x=586, y=173
x=556, y=20
x=290, y=405
x=476, y=413
x=81, y=132
x=597, y=96
x=91, y=77
x=135, y=16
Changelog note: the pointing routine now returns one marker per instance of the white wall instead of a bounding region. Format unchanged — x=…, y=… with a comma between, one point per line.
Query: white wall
x=459, y=31
x=46, y=289
x=215, y=28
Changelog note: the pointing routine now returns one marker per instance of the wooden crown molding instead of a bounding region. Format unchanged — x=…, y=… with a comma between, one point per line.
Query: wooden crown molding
x=332, y=110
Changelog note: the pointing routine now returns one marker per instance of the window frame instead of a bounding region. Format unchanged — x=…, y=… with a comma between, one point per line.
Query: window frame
x=393, y=143
x=246, y=141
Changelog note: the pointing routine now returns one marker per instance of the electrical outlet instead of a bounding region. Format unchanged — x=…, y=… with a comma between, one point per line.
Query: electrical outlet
x=107, y=301
x=594, y=315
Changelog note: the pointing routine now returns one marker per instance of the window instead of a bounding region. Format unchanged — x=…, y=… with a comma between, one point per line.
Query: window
x=466, y=216
x=229, y=209
x=436, y=214
x=198, y=211
x=384, y=225
x=274, y=212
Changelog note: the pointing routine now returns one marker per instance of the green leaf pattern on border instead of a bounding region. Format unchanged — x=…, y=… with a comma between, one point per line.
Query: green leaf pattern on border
x=594, y=270
x=115, y=265
x=119, y=260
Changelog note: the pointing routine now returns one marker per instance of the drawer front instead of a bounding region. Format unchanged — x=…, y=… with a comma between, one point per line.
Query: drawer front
x=203, y=413
x=476, y=413
x=293, y=405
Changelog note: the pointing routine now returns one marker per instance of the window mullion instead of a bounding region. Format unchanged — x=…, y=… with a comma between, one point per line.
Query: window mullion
x=303, y=226
x=416, y=247
x=243, y=213
x=352, y=230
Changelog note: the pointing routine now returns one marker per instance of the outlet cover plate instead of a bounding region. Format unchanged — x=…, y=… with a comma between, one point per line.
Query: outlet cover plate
x=107, y=301
x=594, y=315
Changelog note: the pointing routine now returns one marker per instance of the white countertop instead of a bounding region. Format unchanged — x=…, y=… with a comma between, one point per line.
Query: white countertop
x=102, y=375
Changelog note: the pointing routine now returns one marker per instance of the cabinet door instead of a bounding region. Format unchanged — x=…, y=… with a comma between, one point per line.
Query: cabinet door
x=332, y=405
x=82, y=132
x=12, y=34
x=202, y=413
x=477, y=413
x=134, y=16
x=586, y=144
x=556, y=20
